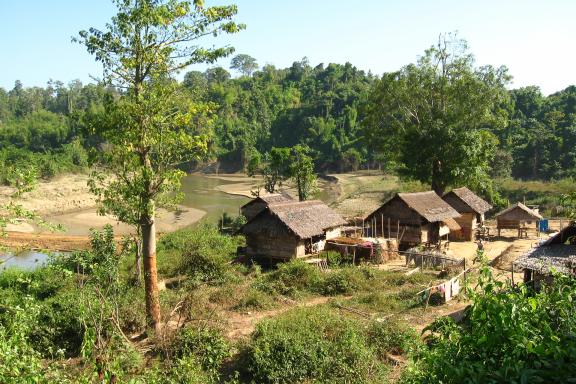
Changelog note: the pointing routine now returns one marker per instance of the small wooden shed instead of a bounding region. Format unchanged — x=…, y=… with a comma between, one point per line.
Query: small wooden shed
x=291, y=229
x=516, y=217
x=558, y=253
x=414, y=218
x=260, y=203
x=471, y=208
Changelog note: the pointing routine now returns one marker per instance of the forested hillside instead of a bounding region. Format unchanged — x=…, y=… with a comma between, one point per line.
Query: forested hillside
x=47, y=130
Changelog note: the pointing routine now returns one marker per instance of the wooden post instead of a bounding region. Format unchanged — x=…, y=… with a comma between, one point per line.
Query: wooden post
x=513, y=275
x=354, y=256
x=382, y=222
x=398, y=230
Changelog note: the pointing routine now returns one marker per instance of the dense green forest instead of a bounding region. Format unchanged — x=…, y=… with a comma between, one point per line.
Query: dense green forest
x=48, y=129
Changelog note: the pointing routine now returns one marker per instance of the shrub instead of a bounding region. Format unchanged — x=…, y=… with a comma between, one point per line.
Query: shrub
x=507, y=336
x=206, y=345
x=202, y=253
x=333, y=258
x=58, y=329
x=254, y=299
x=392, y=337
x=346, y=280
x=311, y=345
x=291, y=279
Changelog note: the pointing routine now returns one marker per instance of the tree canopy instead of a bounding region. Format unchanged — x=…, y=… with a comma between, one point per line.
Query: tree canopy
x=148, y=130
x=437, y=118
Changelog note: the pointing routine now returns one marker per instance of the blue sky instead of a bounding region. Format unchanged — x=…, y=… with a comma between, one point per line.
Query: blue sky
x=534, y=39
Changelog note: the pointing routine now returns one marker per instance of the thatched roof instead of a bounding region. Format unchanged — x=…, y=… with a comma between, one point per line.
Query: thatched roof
x=475, y=202
x=553, y=253
x=428, y=205
x=452, y=224
x=272, y=198
x=519, y=212
x=544, y=259
x=304, y=219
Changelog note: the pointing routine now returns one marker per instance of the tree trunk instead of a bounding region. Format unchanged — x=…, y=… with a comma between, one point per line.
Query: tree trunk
x=437, y=185
x=138, y=263
x=150, y=273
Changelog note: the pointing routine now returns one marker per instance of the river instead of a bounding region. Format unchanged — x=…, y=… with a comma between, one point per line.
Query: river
x=26, y=260
x=200, y=194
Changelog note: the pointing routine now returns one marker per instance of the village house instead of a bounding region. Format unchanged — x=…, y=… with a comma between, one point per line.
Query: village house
x=413, y=218
x=558, y=254
x=471, y=208
x=260, y=203
x=291, y=229
x=517, y=217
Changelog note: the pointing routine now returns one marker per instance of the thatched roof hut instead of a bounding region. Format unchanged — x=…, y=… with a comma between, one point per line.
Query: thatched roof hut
x=260, y=203
x=516, y=217
x=471, y=208
x=558, y=253
x=414, y=218
x=291, y=229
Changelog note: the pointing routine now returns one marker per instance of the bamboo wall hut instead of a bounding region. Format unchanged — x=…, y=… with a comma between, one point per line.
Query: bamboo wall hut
x=471, y=208
x=516, y=217
x=260, y=203
x=413, y=218
x=291, y=229
x=558, y=253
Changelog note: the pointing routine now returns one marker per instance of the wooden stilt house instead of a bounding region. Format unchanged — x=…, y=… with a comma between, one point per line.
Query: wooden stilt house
x=260, y=203
x=413, y=218
x=516, y=217
x=471, y=208
x=291, y=230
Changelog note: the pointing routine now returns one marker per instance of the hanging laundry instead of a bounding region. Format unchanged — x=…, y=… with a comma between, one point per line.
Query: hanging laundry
x=455, y=286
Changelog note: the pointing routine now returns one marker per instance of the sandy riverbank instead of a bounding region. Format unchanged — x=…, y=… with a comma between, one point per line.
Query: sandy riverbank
x=66, y=200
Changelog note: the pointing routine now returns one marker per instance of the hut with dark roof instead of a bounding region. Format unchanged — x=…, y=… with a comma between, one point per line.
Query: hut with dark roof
x=414, y=218
x=516, y=217
x=471, y=208
x=291, y=229
x=558, y=254
x=260, y=203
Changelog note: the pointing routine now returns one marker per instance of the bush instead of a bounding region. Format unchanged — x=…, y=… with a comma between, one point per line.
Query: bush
x=254, y=300
x=333, y=258
x=506, y=336
x=346, y=280
x=207, y=346
x=202, y=253
x=392, y=337
x=59, y=330
x=291, y=279
x=312, y=345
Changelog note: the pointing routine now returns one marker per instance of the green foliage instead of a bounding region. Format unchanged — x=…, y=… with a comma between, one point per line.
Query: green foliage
x=392, y=337
x=312, y=345
x=302, y=172
x=437, y=117
x=508, y=335
x=203, y=253
x=208, y=347
x=245, y=64
x=291, y=279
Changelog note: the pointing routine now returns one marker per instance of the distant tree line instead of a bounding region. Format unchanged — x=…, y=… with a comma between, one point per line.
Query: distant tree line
x=329, y=109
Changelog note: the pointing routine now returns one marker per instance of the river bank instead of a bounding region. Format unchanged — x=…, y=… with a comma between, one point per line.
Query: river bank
x=66, y=200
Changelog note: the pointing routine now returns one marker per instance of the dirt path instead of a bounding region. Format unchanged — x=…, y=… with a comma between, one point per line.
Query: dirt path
x=241, y=325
